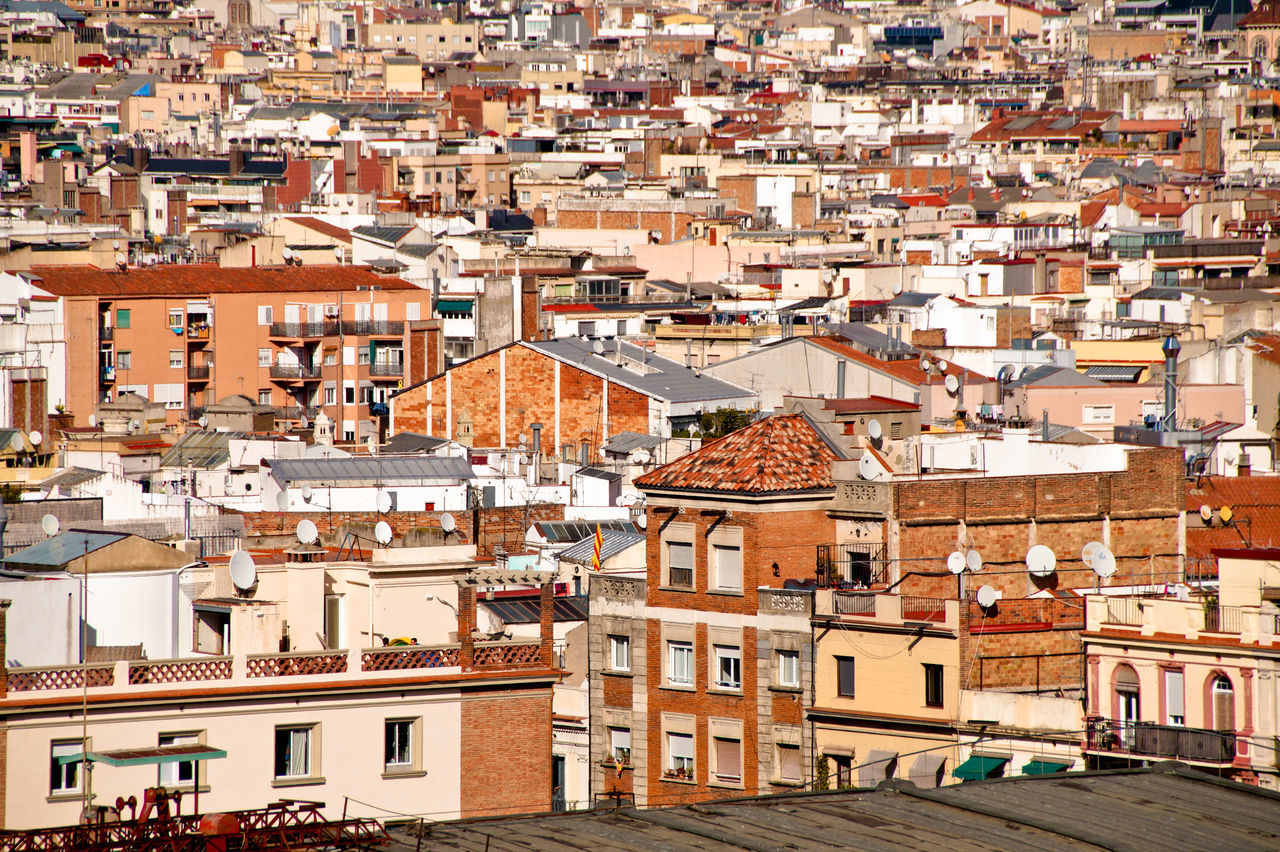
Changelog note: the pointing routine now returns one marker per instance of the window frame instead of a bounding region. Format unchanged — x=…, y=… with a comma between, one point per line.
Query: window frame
x=310, y=773
x=794, y=656
x=412, y=727
x=60, y=747
x=669, y=569
x=615, y=746
x=732, y=656
x=934, y=685
x=177, y=782
x=673, y=763
x=686, y=651
x=124, y=318
x=619, y=652
x=846, y=665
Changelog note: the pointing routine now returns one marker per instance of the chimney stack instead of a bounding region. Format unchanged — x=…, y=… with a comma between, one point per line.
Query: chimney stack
x=140, y=158
x=235, y=162
x=1170, y=347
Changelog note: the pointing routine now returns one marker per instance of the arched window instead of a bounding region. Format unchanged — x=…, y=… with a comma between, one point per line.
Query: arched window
x=1259, y=48
x=1223, y=704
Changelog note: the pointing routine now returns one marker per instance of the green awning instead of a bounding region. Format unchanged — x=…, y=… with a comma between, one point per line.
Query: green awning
x=1046, y=766
x=978, y=767
x=151, y=756
x=454, y=304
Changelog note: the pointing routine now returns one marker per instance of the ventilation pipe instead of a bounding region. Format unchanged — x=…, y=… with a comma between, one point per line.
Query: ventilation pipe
x=1170, y=347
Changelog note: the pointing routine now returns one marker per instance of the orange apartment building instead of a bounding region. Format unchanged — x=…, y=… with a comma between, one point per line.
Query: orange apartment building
x=302, y=339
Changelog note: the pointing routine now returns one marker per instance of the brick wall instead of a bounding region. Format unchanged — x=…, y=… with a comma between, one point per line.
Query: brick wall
x=506, y=752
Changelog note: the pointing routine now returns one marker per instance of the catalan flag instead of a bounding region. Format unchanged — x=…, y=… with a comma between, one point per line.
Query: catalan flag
x=595, y=555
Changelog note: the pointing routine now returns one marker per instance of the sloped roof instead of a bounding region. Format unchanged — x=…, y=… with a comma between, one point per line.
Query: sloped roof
x=62, y=549
x=363, y=471
x=1048, y=375
x=625, y=442
x=615, y=541
x=527, y=610
x=191, y=280
x=1255, y=502
x=202, y=448
x=320, y=226
x=785, y=453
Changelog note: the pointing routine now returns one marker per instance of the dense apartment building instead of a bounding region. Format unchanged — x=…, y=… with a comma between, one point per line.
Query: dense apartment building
x=302, y=339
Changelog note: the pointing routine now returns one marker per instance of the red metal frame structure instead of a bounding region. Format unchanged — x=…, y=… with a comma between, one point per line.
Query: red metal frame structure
x=285, y=825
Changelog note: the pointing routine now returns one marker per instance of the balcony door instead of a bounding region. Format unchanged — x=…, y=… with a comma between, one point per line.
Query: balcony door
x=1128, y=705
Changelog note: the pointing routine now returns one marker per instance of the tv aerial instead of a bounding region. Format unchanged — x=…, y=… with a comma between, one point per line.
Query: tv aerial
x=244, y=574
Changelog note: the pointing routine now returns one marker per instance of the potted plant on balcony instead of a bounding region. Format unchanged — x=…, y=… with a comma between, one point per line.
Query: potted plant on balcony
x=679, y=773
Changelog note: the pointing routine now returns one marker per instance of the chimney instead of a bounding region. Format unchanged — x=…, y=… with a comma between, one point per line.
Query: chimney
x=584, y=455
x=140, y=158
x=546, y=624
x=840, y=368
x=1170, y=347
x=4, y=646
x=1245, y=465
x=235, y=162
x=466, y=626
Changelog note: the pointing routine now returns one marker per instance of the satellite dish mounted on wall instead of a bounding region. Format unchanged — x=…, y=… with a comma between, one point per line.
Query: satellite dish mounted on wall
x=382, y=532
x=952, y=384
x=448, y=523
x=955, y=562
x=1090, y=552
x=1206, y=513
x=597, y=347
x=203, y=421
x=49, y=525
x=383, y=501
x=35, y=437
x=307, y=532
x=875, y=431
x=244, y=574
x=1041, y=561
x=17, y=443
x=306, y=493
x=1226, y=514
x=282, y=500
x=869, y=469
x=1104, y=563
x=986, y=597
x=973, y=561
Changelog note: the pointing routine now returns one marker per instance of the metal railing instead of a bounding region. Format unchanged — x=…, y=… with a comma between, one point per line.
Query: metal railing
x=1148, y=739
x=1223, y=619
x=294, y=371
x=198, y=371
x=380, y=368
x=218, y=543
x=850, y=566
x=198, y=332
x=296, y=412
x=388, y=328
x=297, y=329
x=1127, y=611
x=854, y=603
x=916, y=608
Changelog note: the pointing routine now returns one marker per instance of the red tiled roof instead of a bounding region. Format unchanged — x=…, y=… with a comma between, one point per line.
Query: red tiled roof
x=907, y=370
x=782, y=453
x=201, y=279
x=322, y=227
x=1254, y=502
x=869, y=404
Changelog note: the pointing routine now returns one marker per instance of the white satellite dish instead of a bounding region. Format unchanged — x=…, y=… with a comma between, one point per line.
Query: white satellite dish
x=1041, y=561
x=1090, y=552
x=597, y=347
x=16, y=443
x=304, y=422
x=973, y=561
x=244, y=574
x=942, y=366
x=1104, y=563
x=924, y=364
x=282, y=501
x=642, y=521
x=49, y=523
x=93, y=420
x=372, y=444
x=307, y=532
x=382, y=532
x=986, y=597
x=203, y=421
x=874, y=430
x=955, y=562
x=287, y=253
x=620, y=502
x=952, y=384
x=35, y=437
x=121, y=259
x=306, y=493
x=448, y=523
x=383, y=502
x=868, y=469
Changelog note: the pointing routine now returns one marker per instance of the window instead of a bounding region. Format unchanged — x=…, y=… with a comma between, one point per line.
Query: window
x=264, y=397
x=264, y=357
x=620, y=653
x=64, y=778
x=349, y=394
x=330, y=396
x=398, y=745
x=175, y=359
x=844, y=676
x=841, y=770
x=727, y=562
x=1098, y=414
x=728, y=667
x=789, y=668
x=175, y=318
x=680, y=562
x=413, y=311
x=680, y=663
x=293, y=752
x=1223, y=709
x=182, y=773
x=212, y=631
x=932, y=685
x=264, y=315
x=728, y=759
x=680, y=755
x=789, y=763
x=620, y=744
x=123, y=318
x=124, y=360
x=1174, y=700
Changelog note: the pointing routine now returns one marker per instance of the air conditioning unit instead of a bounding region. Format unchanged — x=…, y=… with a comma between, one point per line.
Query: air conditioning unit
x=331, y=311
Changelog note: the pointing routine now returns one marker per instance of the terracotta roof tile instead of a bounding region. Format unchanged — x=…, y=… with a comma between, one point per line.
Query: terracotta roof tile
x=322, y=227
x=201, y=279
x=782, y=453
x=1255, y=502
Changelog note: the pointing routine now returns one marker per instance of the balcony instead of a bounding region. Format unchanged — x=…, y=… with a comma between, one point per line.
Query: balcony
x=198, y=372
x=199, y=331
x=296, y=412
x=106, y=332
x=381, y=369
x=373, y=328
x=1223, y=619
x=297, y=330
x=851, y=566
x=106, y=375
x=889, y=609
x=294, y=371
x=1149, y=740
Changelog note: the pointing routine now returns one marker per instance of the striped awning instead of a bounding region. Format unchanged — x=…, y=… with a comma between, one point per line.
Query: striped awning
x=1115, y=372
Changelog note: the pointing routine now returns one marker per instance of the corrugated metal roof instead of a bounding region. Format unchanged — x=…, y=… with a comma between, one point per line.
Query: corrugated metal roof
x=624, y=442
x=370, y=470
x=1115, y=372
x=615, y=541
x=69, y=478
x=528, y=610
x=565, y=532
x=63, y=549
x=1167, y=807
x=201, y=449
x=411, y=442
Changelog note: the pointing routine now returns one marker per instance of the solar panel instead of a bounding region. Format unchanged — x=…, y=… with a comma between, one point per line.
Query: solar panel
x=1064, y=123
x=1022, y=122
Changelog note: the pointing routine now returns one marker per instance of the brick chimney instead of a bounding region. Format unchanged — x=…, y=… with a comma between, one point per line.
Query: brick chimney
x=466, y=626
x=546, y=624
x=235, y=162
x=139, y=158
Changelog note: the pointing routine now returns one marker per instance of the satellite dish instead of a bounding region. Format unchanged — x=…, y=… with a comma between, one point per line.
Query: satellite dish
x=307, y=532
x=287, y=253
x=955, y=562
x=1041, y=561
x=121, y=260
x=16, y=443
x=1206, y=512
x=924, y=364
x=620, y=502
x=448, y=523
x=1104, y=563
x=49, y=523
x=973, y=561
x=952, y=384
x=382, y=532
x=1090, y=552
x=986, y=597
x=868, y=469
x=35, y=437
x=1226, y=514
x=304, y=422
x=384, y=502
x=203, y=421
x=306, y=493
x=642, y=521
x=942, y=366
x=93, y=420
x=641, y=456
x=282, y=501
x=597, y=347
x=244, y=574
x=874, y=430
